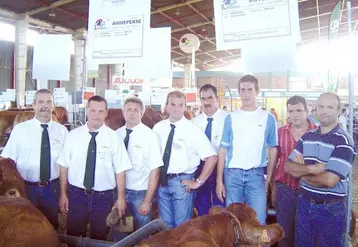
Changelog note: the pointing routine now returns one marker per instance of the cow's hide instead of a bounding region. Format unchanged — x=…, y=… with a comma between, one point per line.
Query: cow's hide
x=11, y=183
x=217, y=229
x=23, y=225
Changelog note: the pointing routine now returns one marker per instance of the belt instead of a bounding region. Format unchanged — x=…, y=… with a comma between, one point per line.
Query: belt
x=42, y=183
x=315, y=201
x=173, y=175
x=89, y=192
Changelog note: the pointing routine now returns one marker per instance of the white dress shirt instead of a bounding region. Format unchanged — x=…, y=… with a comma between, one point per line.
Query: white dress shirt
x=111, y=157
x=24, y=147
x=217, y=126
x=144, y=153
x=190, y=145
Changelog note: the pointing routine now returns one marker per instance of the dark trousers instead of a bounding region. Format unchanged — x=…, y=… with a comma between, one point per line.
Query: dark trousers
x=45, y=198
x=92, y=208
x=286, y=204
x=322, y=225
x=206, y=198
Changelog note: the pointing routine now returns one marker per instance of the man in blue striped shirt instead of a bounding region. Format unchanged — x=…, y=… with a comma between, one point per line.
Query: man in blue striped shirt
x=322, y=159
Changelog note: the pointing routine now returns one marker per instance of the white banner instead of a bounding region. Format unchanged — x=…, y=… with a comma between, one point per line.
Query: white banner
x=60, y=95
x=116, y=29
x=119, y=80
x=29, y=97
x=239, y=21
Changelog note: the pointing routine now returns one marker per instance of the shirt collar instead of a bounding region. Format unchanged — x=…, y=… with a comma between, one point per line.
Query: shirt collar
x=98, y=130
x=178, y=123
x=287, y=127
x=138, y=126
x=214, y=116
x=331, y=132
x=39, y=123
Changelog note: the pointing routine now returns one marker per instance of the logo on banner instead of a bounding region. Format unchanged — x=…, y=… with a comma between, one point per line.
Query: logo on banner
x=119, y=80
x=100, y=23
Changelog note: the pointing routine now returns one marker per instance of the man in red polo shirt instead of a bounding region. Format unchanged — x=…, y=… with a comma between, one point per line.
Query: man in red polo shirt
x=285, y=190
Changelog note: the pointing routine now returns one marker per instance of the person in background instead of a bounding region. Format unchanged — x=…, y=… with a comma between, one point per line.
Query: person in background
x=322, y=159
x=225, y=108
x=274, y=113
x=211, y=122
x=284, y=190
x=342, y=120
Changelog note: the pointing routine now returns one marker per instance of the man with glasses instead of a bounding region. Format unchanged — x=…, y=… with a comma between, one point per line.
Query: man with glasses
x=211, y=122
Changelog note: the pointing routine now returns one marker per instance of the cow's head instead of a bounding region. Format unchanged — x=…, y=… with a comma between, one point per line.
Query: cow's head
x=251, y=232
x=11, y=183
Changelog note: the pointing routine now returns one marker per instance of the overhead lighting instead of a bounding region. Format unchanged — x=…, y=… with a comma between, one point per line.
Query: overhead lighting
x=177, y=12
x=52, y=13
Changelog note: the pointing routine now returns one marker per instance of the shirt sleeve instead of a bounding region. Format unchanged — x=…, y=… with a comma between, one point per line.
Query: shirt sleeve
x=226, y=139
x=341, y=160
x=11, y=148
x=298, y=150
x=271, y=131
x=202, y=144
x=64, y=159
x=155, y=157
x=120, y=158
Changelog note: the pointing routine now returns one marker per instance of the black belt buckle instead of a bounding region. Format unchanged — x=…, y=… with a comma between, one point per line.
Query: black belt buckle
x=88, y=192
x=43, y=183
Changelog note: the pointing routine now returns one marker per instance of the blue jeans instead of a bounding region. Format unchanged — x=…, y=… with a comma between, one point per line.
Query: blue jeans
x=246, y=186
x=320, y=224
x=45, y=199
x=90, y=208
x=134, y=199
x=175, y=204
x=286, y=204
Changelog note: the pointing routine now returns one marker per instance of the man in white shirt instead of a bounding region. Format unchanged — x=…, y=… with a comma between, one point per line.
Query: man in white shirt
x=182, y=145
x=142, y=145
x=35, y=145
x=247, y=134
x=342, y=120
x=93, y=162
x=211, y=122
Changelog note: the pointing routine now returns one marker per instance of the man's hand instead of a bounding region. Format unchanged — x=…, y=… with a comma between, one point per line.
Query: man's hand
x=317, y=168
x=144, y=208
x=63, y=204
x=190, y=185
x=220, y=191
x=299, y=159
x=121, y=205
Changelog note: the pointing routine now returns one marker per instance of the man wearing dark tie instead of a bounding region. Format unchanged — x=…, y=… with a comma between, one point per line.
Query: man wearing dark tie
x=144, y=152
x=183, y=145
x=93, y=162
x=35, y=145
x=211, y=122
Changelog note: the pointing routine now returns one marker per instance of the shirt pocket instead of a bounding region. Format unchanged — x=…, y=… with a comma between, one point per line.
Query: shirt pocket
x=136, y=156
x=56, y=147
x=104, y=154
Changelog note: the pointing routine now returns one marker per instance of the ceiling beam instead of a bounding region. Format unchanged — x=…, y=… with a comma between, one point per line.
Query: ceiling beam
x=174, y=6
x=12, y=16
x=179, y=29
x=51, y=6
x=318, y=20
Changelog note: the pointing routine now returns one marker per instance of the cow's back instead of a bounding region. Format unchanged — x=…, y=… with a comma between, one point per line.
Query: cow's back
x=23, y=225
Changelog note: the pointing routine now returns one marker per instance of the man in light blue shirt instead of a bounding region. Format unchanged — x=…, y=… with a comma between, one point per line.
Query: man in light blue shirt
x=247, y=134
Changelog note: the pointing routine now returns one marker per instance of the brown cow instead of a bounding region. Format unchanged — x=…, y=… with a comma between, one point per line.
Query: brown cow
x=62, y=114
x=237, y=224
x=11, y=183
x=23, y=225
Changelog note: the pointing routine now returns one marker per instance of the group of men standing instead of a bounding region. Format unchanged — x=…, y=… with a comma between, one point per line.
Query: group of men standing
x=218, y=158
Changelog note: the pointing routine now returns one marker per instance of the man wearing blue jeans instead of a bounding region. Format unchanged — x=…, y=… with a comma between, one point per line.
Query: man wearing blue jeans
x=183, y=145
x=142, y=178
x=247, y=134
x=322, y=159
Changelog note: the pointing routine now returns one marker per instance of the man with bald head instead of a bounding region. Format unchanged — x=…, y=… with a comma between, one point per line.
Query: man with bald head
x=322, y=160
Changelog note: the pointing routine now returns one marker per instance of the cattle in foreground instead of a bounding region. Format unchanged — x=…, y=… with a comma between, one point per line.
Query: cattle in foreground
x=236, y=225
x=23, y=225
x=11, y=183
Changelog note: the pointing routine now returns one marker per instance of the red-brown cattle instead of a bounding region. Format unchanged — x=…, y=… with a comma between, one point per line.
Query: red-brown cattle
x=23, y=225
x=11, y=183
x=237, y=224
x=62, y=114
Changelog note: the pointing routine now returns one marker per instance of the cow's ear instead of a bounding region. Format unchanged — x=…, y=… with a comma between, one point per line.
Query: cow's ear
x=216, y=209
x=264, y=235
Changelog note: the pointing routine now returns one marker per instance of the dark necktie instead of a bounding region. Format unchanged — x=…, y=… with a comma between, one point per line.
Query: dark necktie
x=90, y=162
x=166, y=158
x=45, y=157
x=126, y=140
x=209, y=127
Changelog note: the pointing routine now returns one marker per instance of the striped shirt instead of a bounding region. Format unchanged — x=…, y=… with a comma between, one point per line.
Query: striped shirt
x=286, y=144
x=336, y=149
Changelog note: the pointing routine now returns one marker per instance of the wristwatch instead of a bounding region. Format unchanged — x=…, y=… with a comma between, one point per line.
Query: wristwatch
x=199, y=181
